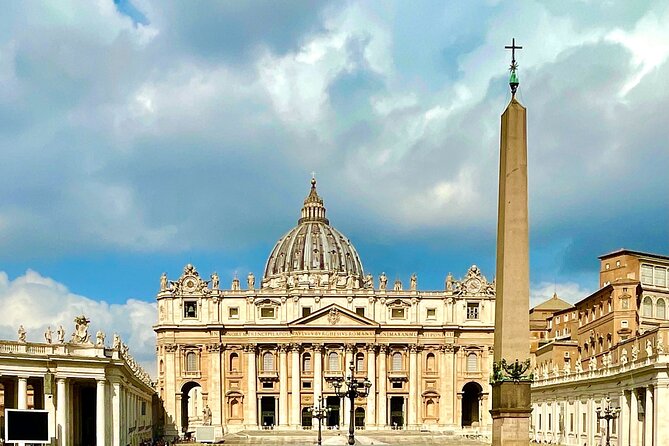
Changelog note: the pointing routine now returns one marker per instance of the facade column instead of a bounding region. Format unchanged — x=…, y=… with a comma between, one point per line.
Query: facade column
x=348, y=357
x=382, y=419
x=251, y=420
x=370, y=413
x=624, y=420
x=296, y=402
x=217, y=373
x=634, y=418
x=413, y=386
x=648, y=418
x=318, y=375
x=445, y=385
x=61, y=412
x=100, y=418
x=283, y=385
x=22, y=396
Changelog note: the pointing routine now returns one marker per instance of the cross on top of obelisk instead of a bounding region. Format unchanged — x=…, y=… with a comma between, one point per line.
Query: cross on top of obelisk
x=513, y=81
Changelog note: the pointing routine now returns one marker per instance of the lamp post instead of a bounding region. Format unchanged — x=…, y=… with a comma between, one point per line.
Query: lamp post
x=354, y=388
x=608, y=413
x=319, y=412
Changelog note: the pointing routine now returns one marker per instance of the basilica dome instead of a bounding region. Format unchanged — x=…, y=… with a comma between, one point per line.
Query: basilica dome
x=313, y=253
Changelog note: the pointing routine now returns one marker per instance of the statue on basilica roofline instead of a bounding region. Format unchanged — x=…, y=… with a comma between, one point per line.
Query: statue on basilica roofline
x=449, y=282
x=235, y=286
x=250, y=281
x=48, y=335
x=80, y=335
x=383, y=282
x=413, y=282
x=163, y=282
x=215, y=281
x=368, y=281
x=61, y=334
x=22, y=334
x=100, y=338
x=398, y=285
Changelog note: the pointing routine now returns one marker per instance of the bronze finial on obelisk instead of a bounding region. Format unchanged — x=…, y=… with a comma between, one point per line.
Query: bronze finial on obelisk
x=511, y=375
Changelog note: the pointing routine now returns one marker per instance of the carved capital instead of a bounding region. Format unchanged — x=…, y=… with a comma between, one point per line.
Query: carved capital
x=283, y=348
x=448, y=348
x=214, y=347
x=171, y=348
x=383, y=348
x=349, y=348
x=295, y=347
x=413, y=348
x=317, y=347
x=371, y=348
x=249, y=348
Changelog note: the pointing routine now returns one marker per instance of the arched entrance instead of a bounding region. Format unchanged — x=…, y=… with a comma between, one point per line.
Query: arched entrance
x=191, y=405
x=471, y=394
x=360, y=417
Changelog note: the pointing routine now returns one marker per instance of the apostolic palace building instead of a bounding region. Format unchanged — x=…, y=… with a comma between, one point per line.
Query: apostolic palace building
x=257, y=356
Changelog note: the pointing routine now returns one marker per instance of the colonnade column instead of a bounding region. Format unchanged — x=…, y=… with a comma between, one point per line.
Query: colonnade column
x=116, y=414
x=348, y=357
x=648, y=417
x=370, y=413
x=318, y=374
x=61, y=412
x=623, y=419
x=662, y=427
x=413, y=385
x=22, y=396
x=382, y=418
x=251, y=420
x=283, y=385
x=634, y=418
x=100, y=413
x=296, y=402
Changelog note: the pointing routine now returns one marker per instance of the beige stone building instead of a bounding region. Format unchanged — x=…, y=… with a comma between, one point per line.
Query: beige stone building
x=612, y=343
x=94, y=393
x=257, y=356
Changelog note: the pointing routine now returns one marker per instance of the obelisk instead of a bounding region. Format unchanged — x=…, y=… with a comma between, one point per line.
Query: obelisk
x=511, y=378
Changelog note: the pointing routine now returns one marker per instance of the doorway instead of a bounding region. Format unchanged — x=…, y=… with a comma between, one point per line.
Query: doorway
x=360, y=417
x=471, y=394
x=333, y=403
x=268, y=411
x=397, y=412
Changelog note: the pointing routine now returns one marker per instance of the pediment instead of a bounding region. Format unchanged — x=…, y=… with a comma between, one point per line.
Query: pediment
x=334, y=315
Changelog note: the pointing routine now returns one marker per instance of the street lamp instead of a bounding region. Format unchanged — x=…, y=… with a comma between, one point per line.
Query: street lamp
x=354, y=388
x=608, y=413
x=319, y=412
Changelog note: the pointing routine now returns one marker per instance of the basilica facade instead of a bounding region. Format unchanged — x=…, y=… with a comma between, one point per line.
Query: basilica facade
x=259, y=356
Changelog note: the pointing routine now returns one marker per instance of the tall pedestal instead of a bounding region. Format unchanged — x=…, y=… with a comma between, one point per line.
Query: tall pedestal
x=511, y=407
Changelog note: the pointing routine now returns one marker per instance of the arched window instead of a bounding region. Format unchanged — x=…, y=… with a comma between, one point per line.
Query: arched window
x=306, y=362
x=359, y=362
x=661, y=309
x=234, y=362
x=397, y=362
x=647, y=307
x=333, y=361
x=268, y=362
x=162, y=367
x=472, y=362
x=429, y=363
x=191, y=362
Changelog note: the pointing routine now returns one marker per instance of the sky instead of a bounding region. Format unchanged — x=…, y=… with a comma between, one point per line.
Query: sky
x=140, y=135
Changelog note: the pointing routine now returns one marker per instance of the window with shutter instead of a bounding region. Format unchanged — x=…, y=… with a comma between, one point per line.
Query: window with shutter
x=472, y=362
x=397, y=362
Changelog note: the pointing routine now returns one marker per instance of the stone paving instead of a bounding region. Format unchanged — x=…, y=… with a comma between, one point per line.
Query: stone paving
x=364, y=438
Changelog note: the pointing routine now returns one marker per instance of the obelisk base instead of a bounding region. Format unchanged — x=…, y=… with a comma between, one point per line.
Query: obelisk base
x=511, y=409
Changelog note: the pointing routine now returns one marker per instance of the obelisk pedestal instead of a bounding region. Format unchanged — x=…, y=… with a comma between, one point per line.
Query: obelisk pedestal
x=511, y=380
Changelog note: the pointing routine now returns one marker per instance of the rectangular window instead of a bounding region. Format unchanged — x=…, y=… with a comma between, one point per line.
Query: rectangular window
x=585, y=427
x=397, y=384
x=267, y=312
x=233, y=312
x=143, y=407
x=571, y=422
x=306, y=311
x=624, y=324
x=431, y=313
x=646, y=274
x=306, y=384
x=472, y=310
x=472, y=362
x=397, y=313
x=268, y=385
x=360, y=311
x=660, y=277
x=190, y=309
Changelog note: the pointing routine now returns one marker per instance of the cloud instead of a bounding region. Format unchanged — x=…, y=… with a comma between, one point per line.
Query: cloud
x=36, y=302
x=569, y=291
